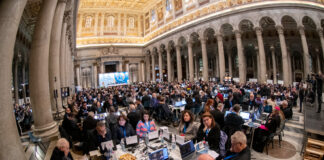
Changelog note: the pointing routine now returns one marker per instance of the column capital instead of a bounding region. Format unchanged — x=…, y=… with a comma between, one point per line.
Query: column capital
x=320, y=32
x=256, y=48
x=280, y=29
x=258, y=31
x=177, y=46
x=238, y=33
x=272, y=48
x=190, y=43
x=301, y=30
x=219, y=36
x=168, y=49
x=203, y=40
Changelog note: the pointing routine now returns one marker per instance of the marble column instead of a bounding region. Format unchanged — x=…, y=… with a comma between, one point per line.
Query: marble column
x=169, y=64
x=16, y=87
x=221, y=57
x=160, y=65
x=95, y=75
x=62, y=55
x=102, y=67
x=24, y=80
x=262, y=58
x=142, y=71
x=289, y=67
x=54, y=58
x=205, y=58
x=10, y=14
x=285, y=66
x=44, y=126
x=187, y=68
x=153, y=67
x=242, y=65
x=148, y=68
x=77, y=68
x=179, y=65
x=197, y=66
x=191, y=64
x=320, y=33
x=319, y=69
x=258, y=64
x=120, y=67
x=274, y=66
x=229, y=56
x=127, y=66
x=306, y=56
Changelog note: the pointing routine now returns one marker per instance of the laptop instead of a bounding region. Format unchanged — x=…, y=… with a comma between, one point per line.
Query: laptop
x=245, y=115
x=178, y=104
x=186, y=150
x=227, y=112
x=160, y=154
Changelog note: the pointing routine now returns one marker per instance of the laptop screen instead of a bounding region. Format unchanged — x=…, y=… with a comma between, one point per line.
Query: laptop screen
x=160, y=154
x=186, y=149
x=227, y=112
x=245, y=115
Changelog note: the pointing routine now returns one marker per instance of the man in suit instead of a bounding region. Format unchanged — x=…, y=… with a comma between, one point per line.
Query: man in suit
x=97, y=136
x=319, y=82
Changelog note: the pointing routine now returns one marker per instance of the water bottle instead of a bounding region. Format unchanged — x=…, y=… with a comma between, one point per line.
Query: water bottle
x=173, y=142
x=206, y=145
x=161, y=138
x=122, y=144
x=146, y=138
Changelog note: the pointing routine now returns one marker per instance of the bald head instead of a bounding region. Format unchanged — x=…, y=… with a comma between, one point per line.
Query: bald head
x=205, y=157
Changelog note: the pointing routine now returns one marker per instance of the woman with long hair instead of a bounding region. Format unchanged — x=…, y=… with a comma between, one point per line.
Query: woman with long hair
x=187, y=126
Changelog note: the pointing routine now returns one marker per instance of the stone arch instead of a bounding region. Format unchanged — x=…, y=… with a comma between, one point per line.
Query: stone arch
x=226, y=29
x=289, y=22
x=309, y=23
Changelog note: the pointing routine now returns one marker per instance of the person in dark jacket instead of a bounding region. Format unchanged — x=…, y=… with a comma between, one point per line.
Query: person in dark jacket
x=133, y=116
x=234, y=120
x=123, y=129
x=319, y=82
x=229, y=102
x=239, y=147
x=97, y=136
x=62, y=150
x=89, y=123
x=302, y=93
x=219, y=115
x=209, y=131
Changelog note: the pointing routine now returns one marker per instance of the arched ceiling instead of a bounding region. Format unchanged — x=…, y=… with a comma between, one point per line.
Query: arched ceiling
x=127, y=5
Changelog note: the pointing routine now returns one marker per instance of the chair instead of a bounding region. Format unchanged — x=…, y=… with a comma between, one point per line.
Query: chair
x=279, y=133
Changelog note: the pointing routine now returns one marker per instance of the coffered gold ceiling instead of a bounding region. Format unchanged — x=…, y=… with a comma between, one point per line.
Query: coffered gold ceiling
x=127, y=5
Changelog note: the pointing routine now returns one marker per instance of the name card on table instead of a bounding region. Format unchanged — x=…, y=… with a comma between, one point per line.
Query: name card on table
x=107, y=145
x=280, y=82
x=180, y=139
x=131, y=140
x=269, y=81
x=166, y=135
x=213, y=154
x=153, y=135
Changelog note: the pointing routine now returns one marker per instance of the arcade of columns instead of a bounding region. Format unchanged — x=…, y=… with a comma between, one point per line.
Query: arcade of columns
x=275, y=41
x=49, y=56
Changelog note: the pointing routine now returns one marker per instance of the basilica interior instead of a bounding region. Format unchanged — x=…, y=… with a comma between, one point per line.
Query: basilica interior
x=52, y=48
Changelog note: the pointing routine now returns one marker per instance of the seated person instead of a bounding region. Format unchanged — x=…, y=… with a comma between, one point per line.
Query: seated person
x=251, y=102
x=133, y=115
x=123, y=129
x=187, y=126
x=71, y=126
x=265, y=130
x=97, y=136
x=83, y=112
x=209, y=131
x=219, y=115
x=89, y=123
x=239, y=148
x=145, y=125
x=62, y=150
x=233, y=121
x=286, y=109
